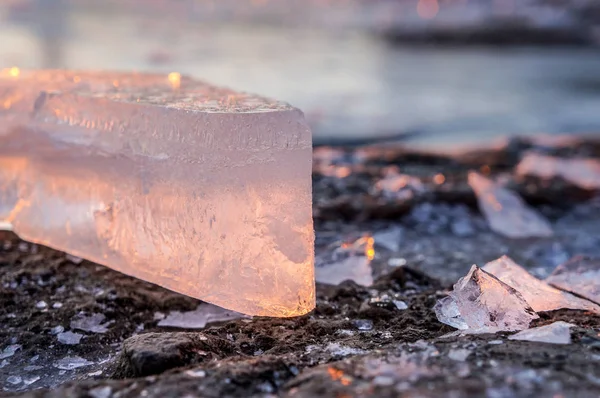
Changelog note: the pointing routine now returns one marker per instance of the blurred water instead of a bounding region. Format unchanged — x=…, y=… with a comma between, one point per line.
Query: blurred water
x=349, y=83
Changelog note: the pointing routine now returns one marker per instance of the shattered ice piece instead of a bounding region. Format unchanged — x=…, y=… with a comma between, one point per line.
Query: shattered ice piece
x=31, y=368
x=14, y=380
x=485, y=304
x=495, y=342
x=74, y=259
x=57, y=305
x=30, y=380
x=90, y=323
x=200, y=317
x=196, y=373
x=363, y=324
x=459, y=354
x=446, y=311
x=41, y=305
x=10, y=350
x=401, y=305
x=341, y=350
x=350, y=261
x=70, y=363
x=555, y=333
x=389, y=239
x=506, y=212
x=580, y=275
x=540, y=295
x=94, y=374
x=4, y=363
x=355, y=268
x=69, y=338
x=100, y=392
x=158, y=316
x=57, y=329
x=585, y=173
x=395, y=185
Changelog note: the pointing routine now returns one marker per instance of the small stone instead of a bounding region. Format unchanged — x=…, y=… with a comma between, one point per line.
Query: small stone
x=10, y=350
x=555, y=333
x=397, y=262
x=580, y=275
x=70, y=363
x=483, y=303
x=506, y=212
x=14, y=380
x=41, y=304
x=94, y=374
x=154, y=353
x=57, y=305
x=69, y=338
x=539, y=294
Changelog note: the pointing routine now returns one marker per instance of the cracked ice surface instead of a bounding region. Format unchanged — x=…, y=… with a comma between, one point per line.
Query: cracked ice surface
x=580, y=275
x=506, y=212
x=483, y=303
x=540, y=295
x=199, y=189
x=555, y=333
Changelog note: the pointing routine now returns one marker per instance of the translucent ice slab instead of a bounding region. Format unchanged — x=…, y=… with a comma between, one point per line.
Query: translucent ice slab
x=199, y=189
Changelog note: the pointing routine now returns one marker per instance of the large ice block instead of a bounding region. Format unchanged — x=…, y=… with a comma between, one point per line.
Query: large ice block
x=199, y=189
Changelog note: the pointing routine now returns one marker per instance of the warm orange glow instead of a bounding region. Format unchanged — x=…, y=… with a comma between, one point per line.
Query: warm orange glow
x=338, y=375
x=439, y=179
x=175, y=79
x=486, y=169
x=76, y=79
x=370, y=249
x=116, y=83
x=428, y=9
x=14, y=72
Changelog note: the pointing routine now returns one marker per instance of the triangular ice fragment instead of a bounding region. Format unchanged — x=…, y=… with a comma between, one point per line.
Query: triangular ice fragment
x=486, y=304
x=580, y=275
x=540, y=295
x=555, y=333
x=506, y=212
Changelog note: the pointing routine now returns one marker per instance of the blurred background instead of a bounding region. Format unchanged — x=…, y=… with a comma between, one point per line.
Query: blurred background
x=432, y=72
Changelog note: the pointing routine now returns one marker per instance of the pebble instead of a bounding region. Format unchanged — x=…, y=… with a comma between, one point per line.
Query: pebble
x=41, y=305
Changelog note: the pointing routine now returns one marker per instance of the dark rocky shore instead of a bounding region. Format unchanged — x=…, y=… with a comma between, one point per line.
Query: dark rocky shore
x=356, y=342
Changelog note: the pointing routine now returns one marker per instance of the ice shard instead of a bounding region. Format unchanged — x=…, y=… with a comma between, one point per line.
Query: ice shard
x=539, y=294
x=506, y=212
x=555, y=333
x=480, y=302
x=580, y=275
x=199, y=189
x=584, y=173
